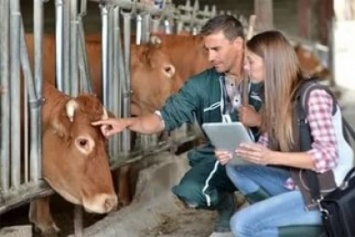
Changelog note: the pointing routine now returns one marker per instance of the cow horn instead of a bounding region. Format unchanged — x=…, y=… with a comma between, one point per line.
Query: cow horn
x=70, y=109
x=104, y=115
x=155, y=40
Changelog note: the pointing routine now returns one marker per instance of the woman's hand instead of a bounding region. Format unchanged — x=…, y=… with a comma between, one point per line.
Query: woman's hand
x=223, y=156
x=255, y=153
x=249, y=117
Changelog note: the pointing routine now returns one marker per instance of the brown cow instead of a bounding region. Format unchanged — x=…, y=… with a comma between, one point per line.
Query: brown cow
x=152, y=73
x=186, y=53
x=310, y=63
x=151, y=82
x=189, y=57
x=75, y=162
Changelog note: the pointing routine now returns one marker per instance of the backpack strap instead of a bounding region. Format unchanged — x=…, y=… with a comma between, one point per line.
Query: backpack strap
x=305, y=89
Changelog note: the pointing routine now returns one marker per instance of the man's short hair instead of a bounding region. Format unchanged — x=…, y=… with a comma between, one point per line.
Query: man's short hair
x=231, y=27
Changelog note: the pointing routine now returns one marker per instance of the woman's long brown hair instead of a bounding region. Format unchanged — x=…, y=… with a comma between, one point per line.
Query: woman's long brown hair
x=282, y=78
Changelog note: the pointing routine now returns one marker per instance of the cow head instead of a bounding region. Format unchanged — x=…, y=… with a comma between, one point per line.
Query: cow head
x=75, y=161
x=310, y=63
x=153, y=77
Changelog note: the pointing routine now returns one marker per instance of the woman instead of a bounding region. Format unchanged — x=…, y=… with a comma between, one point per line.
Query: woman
x=270, y=182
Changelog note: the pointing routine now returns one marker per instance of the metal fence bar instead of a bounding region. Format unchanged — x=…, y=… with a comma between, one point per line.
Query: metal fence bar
x=85, y=78
x=145, y=27
x=74, y=89
x=35, y=137
x=36, y=157
x=66, y=56
x=129, y=4
x=59, y=27
x=139, y=29
x=110, y=55
x=5, y=97
x=15, y=16
x=104, y=53
x=25, y=120
x=115, y=146
x=126, y=136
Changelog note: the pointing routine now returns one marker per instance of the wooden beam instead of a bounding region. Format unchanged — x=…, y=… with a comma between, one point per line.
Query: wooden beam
x=303, y=11
x=264, y=14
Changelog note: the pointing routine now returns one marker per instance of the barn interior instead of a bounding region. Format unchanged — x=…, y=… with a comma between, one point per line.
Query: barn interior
x=325, y=28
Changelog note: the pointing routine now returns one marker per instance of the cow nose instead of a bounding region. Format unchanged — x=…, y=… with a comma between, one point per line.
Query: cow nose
x=110, y=203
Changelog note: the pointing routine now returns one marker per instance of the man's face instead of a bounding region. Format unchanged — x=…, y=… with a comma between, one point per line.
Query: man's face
x=222, y=52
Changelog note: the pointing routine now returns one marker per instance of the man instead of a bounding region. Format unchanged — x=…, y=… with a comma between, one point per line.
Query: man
x=211, y=96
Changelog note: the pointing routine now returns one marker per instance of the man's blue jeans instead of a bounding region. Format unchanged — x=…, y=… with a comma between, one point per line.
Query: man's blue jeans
x=284, y=207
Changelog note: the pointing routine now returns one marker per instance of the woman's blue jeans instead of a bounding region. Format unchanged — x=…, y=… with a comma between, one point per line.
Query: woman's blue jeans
x=284, y=207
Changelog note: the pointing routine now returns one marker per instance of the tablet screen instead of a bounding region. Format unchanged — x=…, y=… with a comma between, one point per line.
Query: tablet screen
x=228, y=136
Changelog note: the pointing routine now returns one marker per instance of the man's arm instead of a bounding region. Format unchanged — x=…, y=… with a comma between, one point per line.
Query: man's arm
x=147, y=124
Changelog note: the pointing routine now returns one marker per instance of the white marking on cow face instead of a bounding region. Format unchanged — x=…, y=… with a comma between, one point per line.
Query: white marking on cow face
x=85, y=144
x=169, y=70
x=70, y=107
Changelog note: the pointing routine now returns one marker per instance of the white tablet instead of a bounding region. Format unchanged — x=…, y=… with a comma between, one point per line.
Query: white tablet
x=228, y=136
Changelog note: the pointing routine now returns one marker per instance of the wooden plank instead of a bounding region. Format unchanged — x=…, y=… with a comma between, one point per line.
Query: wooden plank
x=303, y=18
x=16, y=231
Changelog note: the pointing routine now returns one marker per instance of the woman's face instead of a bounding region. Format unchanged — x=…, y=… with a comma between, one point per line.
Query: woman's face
x=254, y=67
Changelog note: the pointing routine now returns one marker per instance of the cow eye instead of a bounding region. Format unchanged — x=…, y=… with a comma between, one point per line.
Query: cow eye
x=83, y=142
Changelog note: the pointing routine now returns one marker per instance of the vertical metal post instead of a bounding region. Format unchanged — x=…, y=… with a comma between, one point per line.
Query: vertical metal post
x=167, y=26
x=5, y=96
x=36, y=161
x=78, y=221
x=35, y=137
x=84, y=77
x=127, y=85
x=104, y=53
x=74, y=88
x=145, y=27
x=155, y=22
x=115, y=146
x=59, y=27
x=138, y=29
x=15, y=16
x=179, y=27
x=110, y=56
x=66, y=56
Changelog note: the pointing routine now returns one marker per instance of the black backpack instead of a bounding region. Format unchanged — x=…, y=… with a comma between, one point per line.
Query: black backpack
x=338, y=209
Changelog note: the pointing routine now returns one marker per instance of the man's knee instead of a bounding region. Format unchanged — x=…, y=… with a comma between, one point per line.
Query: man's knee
x=190, y=193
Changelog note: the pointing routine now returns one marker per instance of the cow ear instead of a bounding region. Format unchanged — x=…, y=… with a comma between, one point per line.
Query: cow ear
x=169, y=70
x=59, y=126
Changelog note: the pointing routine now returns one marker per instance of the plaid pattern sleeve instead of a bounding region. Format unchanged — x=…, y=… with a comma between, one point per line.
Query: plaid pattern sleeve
x=324, y=150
